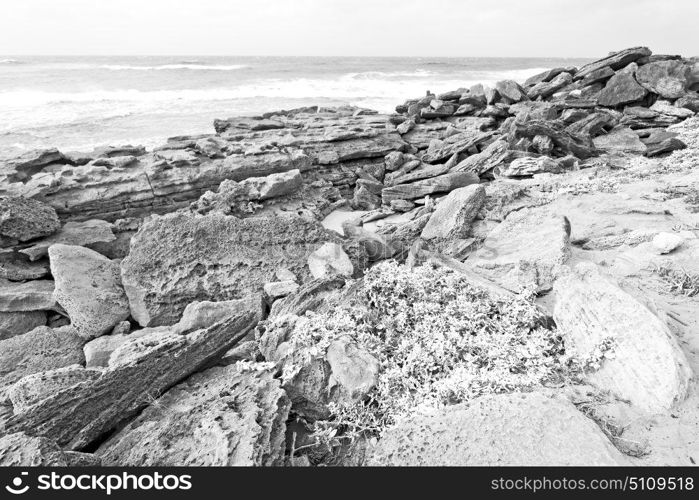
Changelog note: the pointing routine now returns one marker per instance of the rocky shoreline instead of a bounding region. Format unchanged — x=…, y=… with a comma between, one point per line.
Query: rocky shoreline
x=489, y=276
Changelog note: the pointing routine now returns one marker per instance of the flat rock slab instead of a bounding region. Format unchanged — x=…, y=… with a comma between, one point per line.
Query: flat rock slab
x=453, y=216
x=30, y=296
x=621, y=89
x=621, y=140
x=646, y=365
x=17, y=323
x=88, y=287
x=39, y=350
x=182, y=258
x=192, y=424
x=530, y=429
x=139, y=371
x=614, y=61
x=15, y=266
x=73, y=233
x=440, y=184
x=527, y=249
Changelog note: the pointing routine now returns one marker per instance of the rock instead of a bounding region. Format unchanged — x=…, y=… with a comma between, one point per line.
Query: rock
x=669, y=79
x=24, y=219
x=580, y=146
x=402, y=205
x=33, y=162
x=667, y=242
x=545, y=76
x=511, y=91
x=283, y=274
x=528, y=166
x=30, y=296
x=88, y=287
x=439, y=184
x=121, y=328
x=689, y=101
x=454, y=214
x=620, y=140
x=543, y=144
x=21, y=450
x=204, y=314
x=666, y=108
x=17, y=323
x=39, y=350
x=547, y=89
x=456, y=144
x=394, y=160
x=405, y=127
x=621, y=89
x=192, y=424
x=527, y=249
x=328, y=260
x=309, y=297
x=492, y=156
x=138, y=372
x=614, y=61
x=17, y=267
x=530, y=429
x=279, y=289
x=423, y=172
x=664, y=146
x=73, y=233
x=98, y=351
x=39, y=386
x=597, y=75
x=644, y=365
x=182, y=258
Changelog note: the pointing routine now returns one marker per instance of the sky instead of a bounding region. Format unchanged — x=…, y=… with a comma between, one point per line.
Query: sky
x=459, y=28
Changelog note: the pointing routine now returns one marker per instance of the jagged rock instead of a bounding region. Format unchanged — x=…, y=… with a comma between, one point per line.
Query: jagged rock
x=689, y=101
x=621, y=89
x=138, y=372
x=38, y=386
x=30, y=296
x=439, y=184
x=192, y=424
x=492, y=156
x=580, y=146
x=528, y=166
x=394, y=160
x=309, y=297
x=456, y=144
x=666, y=108
x=454, y=214
x=638, y=117
x=21, y=450
x=645, y=364
x=17, y=267
x=548, y=88
x=620, y=140
x=614, y=61
x=594, y=124
x=543, y=144
x=597, y=75
x=328, y=260
x=88, y=287
x=21, y=169
x=117, y=151
x=546, y=76
x=17, y=323
x=73, y=233
x=511, y=91
x=527, y=249
x=24, y=219
x=670, y=79
x=530, y=429
x=405, y=127
x=182, y=258
x=39, y=350
x=422, y=172
x=98, y=351
x=663, y=146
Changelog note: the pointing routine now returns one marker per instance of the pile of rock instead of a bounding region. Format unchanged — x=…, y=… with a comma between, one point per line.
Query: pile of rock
x=137, y=288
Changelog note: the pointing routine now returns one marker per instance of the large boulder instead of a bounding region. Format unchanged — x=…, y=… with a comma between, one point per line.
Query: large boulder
x=526, y=250
x=192, y=424
x=669, y=79
x=530, y=429
x=454, y=214
x=88, y=287
x=23, y=219
x=39, y=350
x=621, y=89
x=644, y=364
x=139, y=371
x=182, y=258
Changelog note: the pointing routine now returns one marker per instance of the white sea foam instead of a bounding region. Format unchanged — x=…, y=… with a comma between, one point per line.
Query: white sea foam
x=9, y=61
x=188, y=66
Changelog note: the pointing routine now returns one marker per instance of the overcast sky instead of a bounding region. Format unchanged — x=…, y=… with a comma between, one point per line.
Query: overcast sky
x=347, y=27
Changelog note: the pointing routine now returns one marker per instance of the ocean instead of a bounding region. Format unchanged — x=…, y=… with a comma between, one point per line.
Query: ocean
x=78, y=103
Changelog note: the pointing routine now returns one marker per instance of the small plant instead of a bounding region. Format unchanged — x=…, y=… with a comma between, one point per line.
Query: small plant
x=680, y=281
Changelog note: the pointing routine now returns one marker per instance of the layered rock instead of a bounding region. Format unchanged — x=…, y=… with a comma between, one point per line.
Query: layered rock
x=21, y=450
x=192, y=424
x=23, y=219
